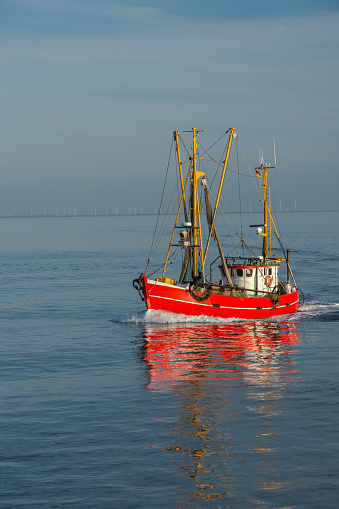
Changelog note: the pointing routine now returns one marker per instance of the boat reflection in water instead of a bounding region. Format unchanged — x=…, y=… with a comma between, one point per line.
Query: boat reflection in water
x=227, y=380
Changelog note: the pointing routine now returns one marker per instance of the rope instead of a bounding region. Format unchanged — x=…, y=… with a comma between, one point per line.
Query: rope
x=199, y=298
x=251, y=174
x=162, y=197
x=239, y=194
x=161, y=266
x=164, y=223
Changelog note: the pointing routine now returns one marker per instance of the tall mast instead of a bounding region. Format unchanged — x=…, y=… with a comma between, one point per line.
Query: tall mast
x=194, y=205
x=195, y=219
x=176, y=137
x=264, y=167
x=265, y=240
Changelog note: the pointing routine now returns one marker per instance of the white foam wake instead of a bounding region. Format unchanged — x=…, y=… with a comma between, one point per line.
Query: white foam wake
x=307, y=311
x=314, y=309
x=165, y=317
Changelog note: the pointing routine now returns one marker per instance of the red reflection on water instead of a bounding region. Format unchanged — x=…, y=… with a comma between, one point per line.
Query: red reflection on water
x=218, y=352
x=229, y=379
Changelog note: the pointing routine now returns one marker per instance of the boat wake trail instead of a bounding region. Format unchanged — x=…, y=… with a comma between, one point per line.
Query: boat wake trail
x=166, y=317
x=310, y=311
x=318, y=311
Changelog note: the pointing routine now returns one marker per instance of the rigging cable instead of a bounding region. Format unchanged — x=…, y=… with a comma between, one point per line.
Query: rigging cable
x=238, y=174
x=224, y=214
x=205, y=151
x=241, y=231
x=183, y=144
x=222, y=218
x=275, y=214
x=251, y=174
x=173, y=255
x=209, y=148
x=165, y=222
x=162, y=197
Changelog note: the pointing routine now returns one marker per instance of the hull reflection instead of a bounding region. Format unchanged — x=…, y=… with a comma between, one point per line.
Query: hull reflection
x=219, y=352
x=228, y=380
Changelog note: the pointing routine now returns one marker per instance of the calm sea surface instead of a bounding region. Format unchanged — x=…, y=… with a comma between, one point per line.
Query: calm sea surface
x=106, y=406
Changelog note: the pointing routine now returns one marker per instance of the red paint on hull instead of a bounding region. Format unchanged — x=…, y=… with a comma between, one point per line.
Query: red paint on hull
x=176, y=299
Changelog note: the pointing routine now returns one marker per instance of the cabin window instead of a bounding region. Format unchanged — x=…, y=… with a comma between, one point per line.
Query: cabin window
x=240, y=272
x=270, y=272
x=249, y=272
x=265, y=271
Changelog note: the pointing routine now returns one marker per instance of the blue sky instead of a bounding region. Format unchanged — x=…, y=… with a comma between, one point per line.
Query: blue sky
x=91, y=91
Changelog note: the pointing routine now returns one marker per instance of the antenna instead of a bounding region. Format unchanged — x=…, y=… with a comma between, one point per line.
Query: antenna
x=275, y=156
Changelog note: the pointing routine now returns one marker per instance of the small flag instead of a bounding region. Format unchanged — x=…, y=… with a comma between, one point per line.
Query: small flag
x=258, y=174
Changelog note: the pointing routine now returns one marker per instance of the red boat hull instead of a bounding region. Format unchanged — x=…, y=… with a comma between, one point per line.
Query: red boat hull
x=167, y=297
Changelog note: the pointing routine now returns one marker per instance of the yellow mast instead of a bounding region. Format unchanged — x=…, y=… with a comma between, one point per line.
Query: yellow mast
x=269, y=208
x=194, y=205
x=176, y=137
x=266, y=252
x=265, y=246
x=200, y=235
x=195, y=216
x=196, y=237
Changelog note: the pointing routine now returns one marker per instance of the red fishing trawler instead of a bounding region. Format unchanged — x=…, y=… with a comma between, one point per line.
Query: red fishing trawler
x=248, y=286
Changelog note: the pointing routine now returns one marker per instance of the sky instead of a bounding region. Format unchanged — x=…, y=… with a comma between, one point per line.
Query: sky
x=91, y=91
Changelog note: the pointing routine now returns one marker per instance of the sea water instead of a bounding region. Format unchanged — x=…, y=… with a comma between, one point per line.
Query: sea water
x=106, y=406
